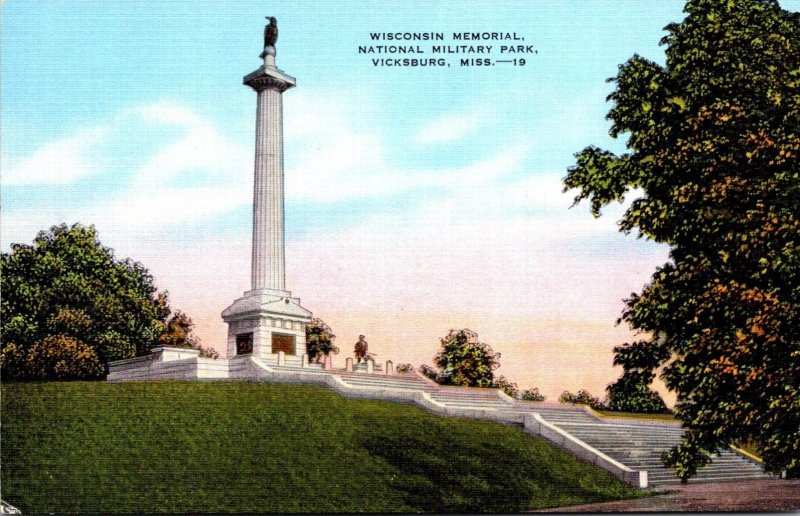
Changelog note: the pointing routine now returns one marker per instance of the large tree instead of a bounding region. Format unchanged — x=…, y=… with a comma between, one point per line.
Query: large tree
x=464, y=360
x=712, y=151
x=69, y=307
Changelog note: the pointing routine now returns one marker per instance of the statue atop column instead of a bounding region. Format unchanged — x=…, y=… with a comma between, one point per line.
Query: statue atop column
x=271, y=32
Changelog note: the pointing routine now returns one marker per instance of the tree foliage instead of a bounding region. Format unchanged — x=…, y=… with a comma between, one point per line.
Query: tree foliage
x=713, y=144
x=532, y=394
x=582, y=397
x=69, y=307
x=404, y=368
x=179, y=333
x=507, y=386
x=632, y=392
x=319, y=340
x=463, y=360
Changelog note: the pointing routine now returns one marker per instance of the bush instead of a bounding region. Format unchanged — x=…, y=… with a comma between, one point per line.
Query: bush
x=319, y=340
x=404, y=368
x=508, y=387
x=59, y=357
x=429, y=372
x=583, y=397
x=532, y=394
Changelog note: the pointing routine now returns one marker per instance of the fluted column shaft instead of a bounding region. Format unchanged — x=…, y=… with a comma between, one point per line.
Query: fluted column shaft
x=268, y=261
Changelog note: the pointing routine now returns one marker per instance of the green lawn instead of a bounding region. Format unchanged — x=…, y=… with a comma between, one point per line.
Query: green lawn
x=251, y=447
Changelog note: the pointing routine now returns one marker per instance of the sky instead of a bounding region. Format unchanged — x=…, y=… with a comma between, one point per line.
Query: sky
x=418, y=199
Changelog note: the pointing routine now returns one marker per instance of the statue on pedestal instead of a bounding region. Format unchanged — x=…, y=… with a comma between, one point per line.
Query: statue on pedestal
x=361, y=349
x=271, y=32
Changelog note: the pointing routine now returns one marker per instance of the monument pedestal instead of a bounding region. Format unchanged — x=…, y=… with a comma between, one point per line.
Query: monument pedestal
x=263, y=322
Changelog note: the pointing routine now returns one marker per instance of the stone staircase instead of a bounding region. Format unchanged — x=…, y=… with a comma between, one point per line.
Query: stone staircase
x=636, y=445
x=632, y=446
x=640, y=446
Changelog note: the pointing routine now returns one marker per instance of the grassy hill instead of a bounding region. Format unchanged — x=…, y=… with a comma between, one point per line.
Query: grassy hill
x=250, y=447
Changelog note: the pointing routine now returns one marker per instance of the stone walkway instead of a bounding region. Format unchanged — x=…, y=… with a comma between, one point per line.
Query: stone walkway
x=736, y=496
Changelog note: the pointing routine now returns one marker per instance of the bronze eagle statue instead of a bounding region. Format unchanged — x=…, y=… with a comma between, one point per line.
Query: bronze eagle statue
x=271, y=32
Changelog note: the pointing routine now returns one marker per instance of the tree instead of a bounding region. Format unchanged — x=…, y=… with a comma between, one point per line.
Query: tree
x=69, y=305
x=179, y=333
x=319, y=340
x=713, y=144
x=632, y=392
x=532, y=394
x=463, y=360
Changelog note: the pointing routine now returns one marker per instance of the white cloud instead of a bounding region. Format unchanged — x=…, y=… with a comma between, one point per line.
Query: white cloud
x=193, y=175
x=202, y=149
x=448, y=128
x=335, y=154
x=60, y=162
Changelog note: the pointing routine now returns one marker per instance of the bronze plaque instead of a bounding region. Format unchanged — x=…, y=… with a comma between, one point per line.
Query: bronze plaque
x=283, y=343
x=244, y=344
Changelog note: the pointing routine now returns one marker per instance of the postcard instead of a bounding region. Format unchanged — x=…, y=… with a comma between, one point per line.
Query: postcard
x=393, y=170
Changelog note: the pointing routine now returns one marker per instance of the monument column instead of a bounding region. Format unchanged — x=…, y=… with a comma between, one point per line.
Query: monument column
x=268, y=261
x=267, y=320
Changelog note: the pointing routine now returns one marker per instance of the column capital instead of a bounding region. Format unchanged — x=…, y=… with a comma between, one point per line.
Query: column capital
x=269, y=79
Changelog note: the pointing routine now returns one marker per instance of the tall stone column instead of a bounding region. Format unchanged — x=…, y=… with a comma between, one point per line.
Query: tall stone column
x=268, y=260
x=267, y=320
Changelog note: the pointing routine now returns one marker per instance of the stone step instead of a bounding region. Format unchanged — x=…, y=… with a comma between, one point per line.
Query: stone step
x=633, y=444
x=469, y=403
x=660, y=479
x=733, y=462
x=384, y=383
x=394, y=378
x=446, y=397
x=600, y=434
x=556, y=419
x=645, y=430
x=613, y=433
x=289, y=369
x=382, y=377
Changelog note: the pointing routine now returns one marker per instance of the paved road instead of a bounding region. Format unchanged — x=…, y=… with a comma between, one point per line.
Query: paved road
x=742, y=495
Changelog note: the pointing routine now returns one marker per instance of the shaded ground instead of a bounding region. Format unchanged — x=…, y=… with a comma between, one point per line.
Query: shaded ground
x=742, y=495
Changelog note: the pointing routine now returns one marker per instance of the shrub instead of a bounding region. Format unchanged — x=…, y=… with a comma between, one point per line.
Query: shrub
x=429, y=372
x=583, y=397
x=508, y=387
x=59, y=357
x=532, y=394
x=319, y=340
x=404, y=368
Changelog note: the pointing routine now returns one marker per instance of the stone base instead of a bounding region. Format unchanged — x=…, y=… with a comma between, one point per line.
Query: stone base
x=264, y=322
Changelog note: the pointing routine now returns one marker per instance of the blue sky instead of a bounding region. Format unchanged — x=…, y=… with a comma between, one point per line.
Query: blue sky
x=418, y=199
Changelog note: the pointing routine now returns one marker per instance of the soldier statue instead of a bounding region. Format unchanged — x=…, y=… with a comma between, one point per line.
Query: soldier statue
x=362, y=349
